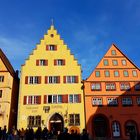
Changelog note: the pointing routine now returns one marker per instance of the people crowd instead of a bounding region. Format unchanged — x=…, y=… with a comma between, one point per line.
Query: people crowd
x=39, y=134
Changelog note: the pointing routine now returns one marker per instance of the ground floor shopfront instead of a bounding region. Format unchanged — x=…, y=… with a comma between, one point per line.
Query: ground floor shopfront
x=100, y=125
x=54, y=117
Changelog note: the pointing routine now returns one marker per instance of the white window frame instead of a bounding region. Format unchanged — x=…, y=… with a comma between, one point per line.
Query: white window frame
x=70, y=79
x=33, y=79
x=97, y=101
x=51, y=47
x=110, y=86
x=33, y=100
x=134, y=73
x=42, y=62
x=116, y=129
x=124, y=86
x=75, y=98
x=124, y=63
x=53, y=79
x=112, y=101
x=59, y=62
x=115, y=62
x=127, y=101
x=96, y=86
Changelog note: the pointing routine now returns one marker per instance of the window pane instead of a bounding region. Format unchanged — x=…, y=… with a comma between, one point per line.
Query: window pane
x=134, y=73
x=49, y=98
x=71, y=98
x=97, y=73
x=113, y=52
x=116, y=73
x=59, y=98
x=107, y=73
x=124, y=62
x=115, y=62
x=105, y=62
x=125, y=73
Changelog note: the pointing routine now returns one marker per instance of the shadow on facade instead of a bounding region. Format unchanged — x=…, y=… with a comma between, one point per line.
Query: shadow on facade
x=119, y=118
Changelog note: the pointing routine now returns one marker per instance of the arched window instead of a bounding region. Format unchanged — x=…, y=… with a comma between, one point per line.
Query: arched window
x=116, y=129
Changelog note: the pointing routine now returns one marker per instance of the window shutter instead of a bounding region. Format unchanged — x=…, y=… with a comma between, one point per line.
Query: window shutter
x=55, y=47
x=37, y=62
x=58, y=78
x=64, y=79
x=45, y=99
x=26, y=79
x=39, y=79
x=63, y=61
x=76, y=78
x=64, y=98
x=46, y=62
x=25, y=100
x=39, y=99
x=47, y=47
x=79, y=98
x=46, y=79
x=55, y=62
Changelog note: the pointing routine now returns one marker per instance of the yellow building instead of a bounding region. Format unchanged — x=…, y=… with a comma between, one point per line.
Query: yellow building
x=9, y=83
x=50, y=89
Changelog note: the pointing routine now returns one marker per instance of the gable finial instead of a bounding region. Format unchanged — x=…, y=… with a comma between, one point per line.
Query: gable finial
x=52, y=22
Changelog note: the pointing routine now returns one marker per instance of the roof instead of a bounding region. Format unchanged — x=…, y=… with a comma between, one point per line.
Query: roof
x=7, y=63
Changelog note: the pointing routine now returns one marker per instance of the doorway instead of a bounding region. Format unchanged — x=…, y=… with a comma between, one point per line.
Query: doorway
x=56, y=123
x=100, y=126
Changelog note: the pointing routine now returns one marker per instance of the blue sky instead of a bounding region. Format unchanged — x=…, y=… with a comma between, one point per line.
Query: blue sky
x=88, y=27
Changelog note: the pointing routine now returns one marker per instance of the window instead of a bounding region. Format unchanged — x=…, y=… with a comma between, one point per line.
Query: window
x=0, y=93
x=134, y=73
x=127, y=101
x=32, y=100
x=105, y=62
x=74, y=98
x=124, y=62
x=97, y=73
x=116, y=74
x=116, y=129
x=32, y=79
x=97, y=101
x=1, y=78
x=114, y=62
x=96, y=86
x=110, y=86
x=54, y=99
x=34, y=121
x=59, y=62
x=41, y=62
x=113, y=52
x=70, y=79
x=138, y=100
x=52, y=79
x=125, y=73
x=137, y=86
x=125, y=86
x=112, y=101
x=107, y=73
x=74, y=119
x=51, y=47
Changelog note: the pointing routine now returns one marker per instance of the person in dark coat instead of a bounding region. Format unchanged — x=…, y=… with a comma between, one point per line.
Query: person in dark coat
x=38, y=133
x=84, y=135
x=45, y=134
x=0, y=133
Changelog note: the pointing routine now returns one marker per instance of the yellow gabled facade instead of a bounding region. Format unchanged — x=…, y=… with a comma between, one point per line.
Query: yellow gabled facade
x=8, y=93
x=50, y=87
